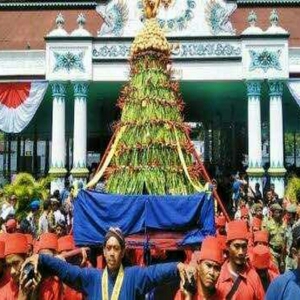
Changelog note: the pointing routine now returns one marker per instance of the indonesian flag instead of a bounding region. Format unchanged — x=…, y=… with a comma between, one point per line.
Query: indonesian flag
x=19, y=102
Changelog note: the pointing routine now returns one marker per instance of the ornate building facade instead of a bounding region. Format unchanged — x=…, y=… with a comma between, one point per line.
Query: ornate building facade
x=238, y=63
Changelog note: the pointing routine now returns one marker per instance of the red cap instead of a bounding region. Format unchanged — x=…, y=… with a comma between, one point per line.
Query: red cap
x=16, y=244
x=11, y=224
x=29, y=239
x=261, y=257
x=49, y=241
x=220, y=221
x=244, y=212
x=2, y=249
x=210, y=250
x=3, y=236
x=256, y=223
x=237, y=230
x=261, y=236
x=66, y=243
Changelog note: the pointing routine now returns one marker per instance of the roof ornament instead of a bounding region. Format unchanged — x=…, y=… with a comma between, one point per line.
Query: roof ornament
x=81, y=20
x=274, y=18
x=81, y=31
x=59, y=30
x=252, y=18
x=252, y=28
x=274, y=28
x=60, y=21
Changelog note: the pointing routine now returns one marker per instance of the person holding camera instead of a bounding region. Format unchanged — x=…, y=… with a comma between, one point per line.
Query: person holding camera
x=202, y=283
x=16, y=249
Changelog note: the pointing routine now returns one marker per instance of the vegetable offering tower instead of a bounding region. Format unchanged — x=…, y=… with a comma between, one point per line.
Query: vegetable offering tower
x=151, y=152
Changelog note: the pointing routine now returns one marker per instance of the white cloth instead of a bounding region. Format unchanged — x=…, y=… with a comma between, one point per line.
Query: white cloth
x=7, y=209
x=43, y=223
x=58, y=216
x=294, y=87
x=16, y=112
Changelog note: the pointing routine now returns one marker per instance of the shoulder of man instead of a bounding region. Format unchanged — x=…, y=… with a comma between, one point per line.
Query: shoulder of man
x=278, y=286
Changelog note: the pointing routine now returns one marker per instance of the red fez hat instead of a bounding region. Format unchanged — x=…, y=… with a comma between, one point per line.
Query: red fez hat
x=244, y=212
x=66, y=243
x=16, y=244
x=3, y=236
x=48, y=240
x=237, y=230
x=29, y=239
x=210, y=250
x=11, y=224
x=256, y=222
x=261, y=236
x=2, y=249
x=261, y=257
x=220, y=221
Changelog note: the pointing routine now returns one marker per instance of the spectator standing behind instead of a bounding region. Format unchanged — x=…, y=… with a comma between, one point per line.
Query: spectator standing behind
x=58, y=216
x=287, y=286
x=291, y=214
x=33, y=215
x=277, y=230
x=44, y=223
x=65, y=192
x=261, y=261
x=8, y=208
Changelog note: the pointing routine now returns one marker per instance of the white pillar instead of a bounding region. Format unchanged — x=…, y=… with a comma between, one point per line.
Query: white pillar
x=276, y=170
x=255, y=170
x=58, y=145
x=79, y=170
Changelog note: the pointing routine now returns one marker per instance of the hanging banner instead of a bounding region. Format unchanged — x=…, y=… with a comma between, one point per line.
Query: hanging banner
x=294, y=87
x=19, y=102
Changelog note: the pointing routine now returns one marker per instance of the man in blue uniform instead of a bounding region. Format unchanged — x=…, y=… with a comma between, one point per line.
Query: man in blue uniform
x=287, y=286
x=114, y=282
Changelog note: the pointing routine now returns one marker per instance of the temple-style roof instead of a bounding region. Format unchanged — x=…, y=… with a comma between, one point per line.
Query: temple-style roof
x=26, y=29
x=26, y=4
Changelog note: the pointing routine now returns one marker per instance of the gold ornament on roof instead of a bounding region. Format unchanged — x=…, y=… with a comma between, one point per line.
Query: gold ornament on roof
x=151, y=8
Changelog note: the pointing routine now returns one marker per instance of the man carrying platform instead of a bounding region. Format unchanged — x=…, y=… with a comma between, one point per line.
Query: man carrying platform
x=115, y=281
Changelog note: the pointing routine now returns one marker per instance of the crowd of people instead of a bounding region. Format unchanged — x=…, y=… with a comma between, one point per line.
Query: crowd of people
x=254, y=256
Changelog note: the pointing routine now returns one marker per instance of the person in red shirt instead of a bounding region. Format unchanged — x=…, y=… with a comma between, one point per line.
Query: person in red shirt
x=238, y=280
x=261, y=262
x=4, y=274
x=262, y=238
x=50, y=288
x=256, y=224
x=16, y=249
x=208, y=262
x=66, y=244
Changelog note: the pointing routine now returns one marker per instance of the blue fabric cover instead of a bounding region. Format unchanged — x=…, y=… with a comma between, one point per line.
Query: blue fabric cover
x=95, y=212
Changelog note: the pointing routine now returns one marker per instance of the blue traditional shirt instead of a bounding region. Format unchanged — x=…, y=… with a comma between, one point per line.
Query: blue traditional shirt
x=137, y=280
x=285, y=287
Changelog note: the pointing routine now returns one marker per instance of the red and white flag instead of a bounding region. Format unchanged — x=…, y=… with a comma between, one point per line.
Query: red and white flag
x=19, y=102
